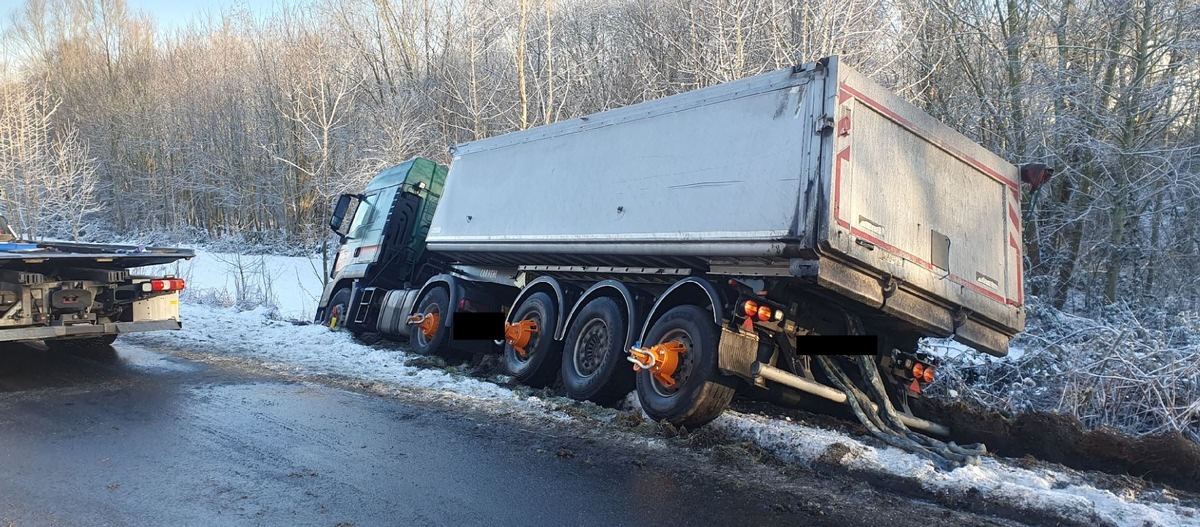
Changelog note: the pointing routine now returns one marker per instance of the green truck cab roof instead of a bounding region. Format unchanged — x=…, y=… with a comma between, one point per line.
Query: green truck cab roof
x=409, y=173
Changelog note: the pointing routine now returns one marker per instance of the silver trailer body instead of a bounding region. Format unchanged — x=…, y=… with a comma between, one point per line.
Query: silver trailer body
x=813, y=172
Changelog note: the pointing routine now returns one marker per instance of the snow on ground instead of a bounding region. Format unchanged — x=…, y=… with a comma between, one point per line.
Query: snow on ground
x=291, y=285
x=307, y=349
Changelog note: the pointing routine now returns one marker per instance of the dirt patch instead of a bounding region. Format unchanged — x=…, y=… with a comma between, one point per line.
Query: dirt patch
x=838, y=454
x=1167, y=458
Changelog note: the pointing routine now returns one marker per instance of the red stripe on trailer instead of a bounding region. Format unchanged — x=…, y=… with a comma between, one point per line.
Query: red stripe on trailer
x=992, y=173
x=978, y=289
x=844, y=155
x=926, y=265
x=1016, y=245
x=1012, y=216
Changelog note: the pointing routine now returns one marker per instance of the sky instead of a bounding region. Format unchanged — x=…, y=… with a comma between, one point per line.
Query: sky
x=177, y=13
x=171, y=14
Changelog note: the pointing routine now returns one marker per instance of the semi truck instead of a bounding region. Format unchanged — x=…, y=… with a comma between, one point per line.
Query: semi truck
x=686, y=247
x=79, y=296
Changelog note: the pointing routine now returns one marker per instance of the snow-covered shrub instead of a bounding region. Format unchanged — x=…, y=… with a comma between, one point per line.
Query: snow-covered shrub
x=1138, y=372
x=253, y=281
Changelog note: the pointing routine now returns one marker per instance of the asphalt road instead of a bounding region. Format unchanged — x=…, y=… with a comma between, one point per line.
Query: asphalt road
x=137, y=437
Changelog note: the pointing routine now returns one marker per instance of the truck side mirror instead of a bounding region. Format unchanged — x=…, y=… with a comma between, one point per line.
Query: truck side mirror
x=345, y=206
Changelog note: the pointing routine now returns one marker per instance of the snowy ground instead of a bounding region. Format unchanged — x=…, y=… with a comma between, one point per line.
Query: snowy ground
x=288, y=285
x=263, y=335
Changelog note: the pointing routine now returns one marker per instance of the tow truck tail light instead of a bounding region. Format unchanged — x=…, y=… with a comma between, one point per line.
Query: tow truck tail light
x=165, y=284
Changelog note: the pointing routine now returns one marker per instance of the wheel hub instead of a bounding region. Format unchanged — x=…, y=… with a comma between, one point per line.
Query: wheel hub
x=427, y=324
x=519, y=334
x=662, y=360
x=594, y=345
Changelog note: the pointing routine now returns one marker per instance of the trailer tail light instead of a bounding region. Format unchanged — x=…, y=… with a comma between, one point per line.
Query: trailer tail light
x=750, y=308
x=166, y=284
x=923, y=373
x=765, y=313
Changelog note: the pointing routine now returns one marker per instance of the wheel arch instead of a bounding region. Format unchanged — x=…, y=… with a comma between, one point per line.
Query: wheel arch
x=454, y=291
x=609, y=288
x=332, y=289
x=558, y=294
x=690, y=290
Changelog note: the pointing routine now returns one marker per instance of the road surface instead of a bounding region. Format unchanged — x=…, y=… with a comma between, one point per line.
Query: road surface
x=133, y=437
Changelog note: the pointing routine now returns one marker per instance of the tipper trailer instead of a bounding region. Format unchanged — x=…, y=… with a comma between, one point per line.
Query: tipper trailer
x=700, y=237
x=77, y=295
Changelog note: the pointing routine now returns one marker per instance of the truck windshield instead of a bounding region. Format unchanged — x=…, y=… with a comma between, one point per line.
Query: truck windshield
x=363, y=216
x=368, y=221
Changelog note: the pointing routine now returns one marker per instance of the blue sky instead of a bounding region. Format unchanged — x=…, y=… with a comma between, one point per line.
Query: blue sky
x=177, y=13
x=171, y=14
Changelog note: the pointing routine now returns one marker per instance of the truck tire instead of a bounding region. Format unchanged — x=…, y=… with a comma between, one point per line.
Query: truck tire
x=84, y=344
x=543, y=354
x=436, y=301
x=594, y=366
x=339, y=304
x=696, y=397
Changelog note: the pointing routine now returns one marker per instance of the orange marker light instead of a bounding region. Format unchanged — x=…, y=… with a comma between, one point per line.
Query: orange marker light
x=928, y=375
x=918, y=371
x=750, y=308
x=764, y=313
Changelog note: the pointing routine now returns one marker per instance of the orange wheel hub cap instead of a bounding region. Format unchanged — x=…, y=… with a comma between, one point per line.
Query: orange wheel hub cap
x=661, y=359
x=427, y=323
x=519, y=334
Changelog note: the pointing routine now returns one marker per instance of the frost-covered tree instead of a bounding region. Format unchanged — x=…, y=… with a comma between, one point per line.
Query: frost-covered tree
x=47, y=180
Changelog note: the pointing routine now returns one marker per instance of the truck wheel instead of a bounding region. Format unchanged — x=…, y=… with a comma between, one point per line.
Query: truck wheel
x=339, y=305
x=429, y=336
x=696, y=398
x=541, y=360
x=84, y=344
x=594, y=366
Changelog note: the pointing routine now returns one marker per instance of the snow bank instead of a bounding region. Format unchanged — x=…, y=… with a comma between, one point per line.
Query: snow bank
x=1034, y=489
